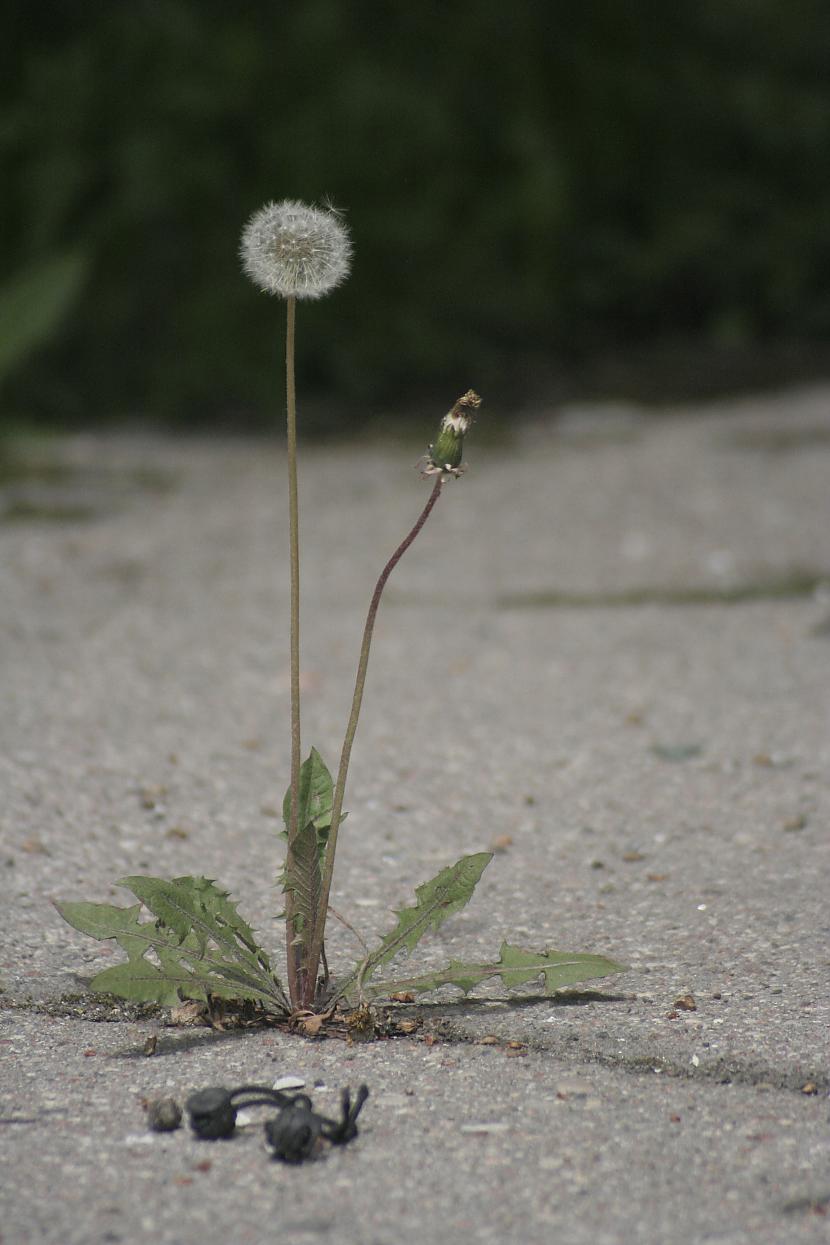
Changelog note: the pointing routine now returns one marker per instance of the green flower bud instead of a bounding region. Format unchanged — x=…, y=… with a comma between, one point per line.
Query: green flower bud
x=444, y=457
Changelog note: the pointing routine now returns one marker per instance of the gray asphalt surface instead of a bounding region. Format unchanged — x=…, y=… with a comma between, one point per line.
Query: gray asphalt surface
x=608, y=655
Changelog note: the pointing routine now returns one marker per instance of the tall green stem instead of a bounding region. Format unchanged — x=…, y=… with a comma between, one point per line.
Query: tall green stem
x=314, y=950
x=296, y=982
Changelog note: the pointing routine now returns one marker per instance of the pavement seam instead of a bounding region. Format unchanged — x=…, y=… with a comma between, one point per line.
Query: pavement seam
x=721, y=1071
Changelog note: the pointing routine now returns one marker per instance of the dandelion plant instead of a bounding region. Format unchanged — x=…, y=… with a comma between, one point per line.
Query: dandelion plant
x=295, y=251
x=196, y=945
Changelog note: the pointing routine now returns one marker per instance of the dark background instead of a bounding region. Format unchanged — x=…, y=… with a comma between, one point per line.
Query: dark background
x=545, y=198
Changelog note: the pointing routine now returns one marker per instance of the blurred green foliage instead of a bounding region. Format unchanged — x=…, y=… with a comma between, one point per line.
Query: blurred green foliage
x=525, y=184
x=32, y=305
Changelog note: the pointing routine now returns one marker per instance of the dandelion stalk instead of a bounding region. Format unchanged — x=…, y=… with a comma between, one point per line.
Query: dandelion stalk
x=318, y=936
x=443, y=460
x=294, y=969
x=295, y=251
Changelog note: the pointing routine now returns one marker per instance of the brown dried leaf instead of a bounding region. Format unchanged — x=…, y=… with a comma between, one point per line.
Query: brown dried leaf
x=311, y=1025
x=193, y=1012
x=360, y=1024
x=408, y=1026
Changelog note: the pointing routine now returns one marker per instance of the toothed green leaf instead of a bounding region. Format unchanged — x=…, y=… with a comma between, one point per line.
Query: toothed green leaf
x=104, y=920
x=217, y=903
x=171, y=904
x=315, y=797
x=202, y=945
x=302, y=873
x=515, y=966
x=448, y=892
x=302, y=876
x=197, y=907
x=142, y=983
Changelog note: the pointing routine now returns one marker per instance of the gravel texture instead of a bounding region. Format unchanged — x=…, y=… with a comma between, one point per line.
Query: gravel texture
x=606, y=656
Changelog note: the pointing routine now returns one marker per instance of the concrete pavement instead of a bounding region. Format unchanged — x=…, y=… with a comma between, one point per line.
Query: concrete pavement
x=608, y=656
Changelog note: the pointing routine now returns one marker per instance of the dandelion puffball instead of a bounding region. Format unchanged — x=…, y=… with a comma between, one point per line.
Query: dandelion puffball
x=294, y=250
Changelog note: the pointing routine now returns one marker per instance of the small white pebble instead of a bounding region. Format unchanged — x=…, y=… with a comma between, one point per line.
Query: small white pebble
x=695, y=1061
x=289, y=1082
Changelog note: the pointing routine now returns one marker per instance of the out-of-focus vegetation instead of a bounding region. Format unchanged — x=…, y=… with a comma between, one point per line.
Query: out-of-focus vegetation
x=529, y=186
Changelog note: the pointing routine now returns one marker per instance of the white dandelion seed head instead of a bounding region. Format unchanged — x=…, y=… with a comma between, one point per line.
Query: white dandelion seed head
x=292, y=249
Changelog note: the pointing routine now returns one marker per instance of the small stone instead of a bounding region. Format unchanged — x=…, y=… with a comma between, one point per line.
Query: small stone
x=573, y=1089
x=151, y=796
x=809, y=1087
x=164, y=1115
x=35, y=847
x=484, y=1128
x=289, y=1082
x=686, y=1003
x=677, y=752
x=793, y=824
